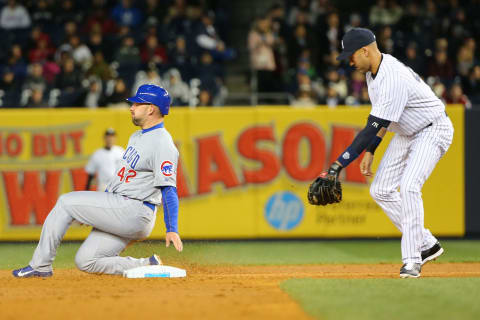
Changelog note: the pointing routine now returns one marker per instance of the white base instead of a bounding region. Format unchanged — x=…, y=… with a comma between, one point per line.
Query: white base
x=155, y=272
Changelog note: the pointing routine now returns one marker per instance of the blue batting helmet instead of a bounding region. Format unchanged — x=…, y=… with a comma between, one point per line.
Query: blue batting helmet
x=150, y=93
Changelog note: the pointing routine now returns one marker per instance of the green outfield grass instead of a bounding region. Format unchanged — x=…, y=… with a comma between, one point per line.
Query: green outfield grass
x=387, y=299
x=255, y=252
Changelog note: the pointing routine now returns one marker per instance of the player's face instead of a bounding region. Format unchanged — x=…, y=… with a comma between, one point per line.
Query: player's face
x=139, y=113
x=109, y=140
x=360, y=61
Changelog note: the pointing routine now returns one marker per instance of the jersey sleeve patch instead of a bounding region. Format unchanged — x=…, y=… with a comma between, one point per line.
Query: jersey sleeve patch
x=167, y=168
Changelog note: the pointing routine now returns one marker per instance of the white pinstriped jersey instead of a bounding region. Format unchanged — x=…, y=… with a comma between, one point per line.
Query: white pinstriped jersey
x=398, y=94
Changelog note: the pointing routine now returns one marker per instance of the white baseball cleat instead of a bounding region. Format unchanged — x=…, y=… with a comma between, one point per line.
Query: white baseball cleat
x=410, y=270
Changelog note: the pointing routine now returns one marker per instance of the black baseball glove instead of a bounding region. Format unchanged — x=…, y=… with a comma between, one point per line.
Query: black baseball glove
x=326, y=189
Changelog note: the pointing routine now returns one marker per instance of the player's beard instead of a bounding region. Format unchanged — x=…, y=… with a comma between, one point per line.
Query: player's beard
x=136, y=121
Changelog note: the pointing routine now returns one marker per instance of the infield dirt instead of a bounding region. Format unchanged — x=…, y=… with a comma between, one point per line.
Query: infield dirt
x=208, y=292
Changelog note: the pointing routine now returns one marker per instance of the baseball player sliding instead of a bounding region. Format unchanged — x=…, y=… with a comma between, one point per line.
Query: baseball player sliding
x=406, y=105
x=103, y=162
x=145, y=178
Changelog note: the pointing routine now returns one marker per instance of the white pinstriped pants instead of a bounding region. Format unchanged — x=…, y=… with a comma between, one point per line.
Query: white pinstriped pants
x=406, y=165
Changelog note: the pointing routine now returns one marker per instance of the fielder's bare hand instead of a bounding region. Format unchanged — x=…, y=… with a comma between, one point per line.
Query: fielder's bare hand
x=366, y=164
x=175, y=238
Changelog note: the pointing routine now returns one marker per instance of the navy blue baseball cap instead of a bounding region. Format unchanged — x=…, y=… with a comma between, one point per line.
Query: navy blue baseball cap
x=353, y=40
x=150, y=93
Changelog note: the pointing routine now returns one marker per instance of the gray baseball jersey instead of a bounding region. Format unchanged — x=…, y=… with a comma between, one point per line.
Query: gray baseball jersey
x=423, y=135
x=149, y=161
x=119, y=216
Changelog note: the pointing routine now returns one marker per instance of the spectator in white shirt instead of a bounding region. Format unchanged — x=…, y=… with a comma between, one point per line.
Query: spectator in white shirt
x=14, y=16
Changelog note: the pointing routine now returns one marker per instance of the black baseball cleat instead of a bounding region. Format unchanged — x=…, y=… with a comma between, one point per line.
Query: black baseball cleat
x=432, y=253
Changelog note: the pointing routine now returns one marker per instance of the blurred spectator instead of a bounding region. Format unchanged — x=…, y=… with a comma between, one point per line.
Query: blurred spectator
x=35, y=78
x=125, y=14
x=178, y=90
x=96, y=43
x=385, y=41
x=304, y=97
x=81, y=54
x=329, y=35
x=413, y=59
x=364, y=98
x=456, y=96
x=302, y=8
x=385, y=13
x=207, y=38
x=441, y=67
x=128, y=59
x=180, y=59
x=332, y=99
x=205, y=98
x=357, y=84
x=94, y=97
x=99, y=20
x=41, y=52
x=150, y=76
x=37, y=98
x=42, y=15
x=438, y=87
x=209, y=74
x=466, y=57
x=50, y=71
x=69, y=81
x=99, y=68
x=319, y=10
x=154, y=12
x=119, y=95
x=14, y=16
x=10, y=83
x=63, y=38
x=153, y=52
x=15, y=63
x=67, y=12
x=472, y=85
x=279, y=24
x=262, y=60
x=69, y=78
x=337, y=83
x=298, y=42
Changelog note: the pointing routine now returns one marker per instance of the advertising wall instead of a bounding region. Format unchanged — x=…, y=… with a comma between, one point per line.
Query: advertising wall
x=244, y=172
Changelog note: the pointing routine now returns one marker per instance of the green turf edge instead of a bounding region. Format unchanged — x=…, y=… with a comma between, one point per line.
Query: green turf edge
x=279, y=252
x=362, y=299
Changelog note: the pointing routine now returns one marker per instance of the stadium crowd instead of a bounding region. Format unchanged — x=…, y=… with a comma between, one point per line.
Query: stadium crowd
x=91, y=53
x=97, y=52
x=297, y=41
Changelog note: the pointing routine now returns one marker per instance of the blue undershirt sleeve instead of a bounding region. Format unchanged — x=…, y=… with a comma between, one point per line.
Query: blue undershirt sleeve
x=170, y=208
x=363, y=139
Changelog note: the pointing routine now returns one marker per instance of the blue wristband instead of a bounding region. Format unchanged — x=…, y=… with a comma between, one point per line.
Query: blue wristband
x=347, y=157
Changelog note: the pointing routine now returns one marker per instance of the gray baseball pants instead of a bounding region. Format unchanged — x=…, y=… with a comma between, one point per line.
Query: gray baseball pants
x=116, y=221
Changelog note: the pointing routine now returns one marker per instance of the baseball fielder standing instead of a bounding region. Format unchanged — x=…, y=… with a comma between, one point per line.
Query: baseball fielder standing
x=145, y=178
x=104, y=161
x=404, y=104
